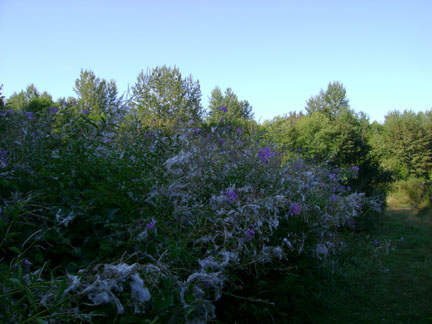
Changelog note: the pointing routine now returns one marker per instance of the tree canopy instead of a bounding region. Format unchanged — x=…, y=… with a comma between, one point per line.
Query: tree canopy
x=96, y=96
x=30, y=100
x=163, y=96
x=228, y=106
x=330, y=102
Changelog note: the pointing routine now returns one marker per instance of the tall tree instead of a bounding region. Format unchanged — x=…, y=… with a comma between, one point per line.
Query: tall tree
x=330, y=102
x=163, y=96
x=30, y=100
x=407, y=144
x=228, y=106
x=97, y=96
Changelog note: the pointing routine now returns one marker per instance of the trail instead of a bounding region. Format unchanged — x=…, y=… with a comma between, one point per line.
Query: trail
x=387, y=278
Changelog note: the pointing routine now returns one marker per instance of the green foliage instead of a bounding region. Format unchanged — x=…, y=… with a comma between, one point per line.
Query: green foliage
x=162, y=97
x=330, y=102
x=30, y=100
x=139, y=224
x=406, y=144
x=114, y=214
x=96, y=96
x=235, y=109
x=383, y=275
x=412, y=192
x=338, y=136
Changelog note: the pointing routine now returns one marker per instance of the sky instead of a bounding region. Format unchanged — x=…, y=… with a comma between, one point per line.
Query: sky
x=274, y=54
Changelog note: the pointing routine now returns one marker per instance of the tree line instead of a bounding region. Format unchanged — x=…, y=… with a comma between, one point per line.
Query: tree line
x=388, y=155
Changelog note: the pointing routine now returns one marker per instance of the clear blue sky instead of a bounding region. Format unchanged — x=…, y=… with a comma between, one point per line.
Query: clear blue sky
x=275, y=54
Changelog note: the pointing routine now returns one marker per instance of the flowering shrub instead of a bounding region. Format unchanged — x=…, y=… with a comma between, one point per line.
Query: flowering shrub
x=154, y=224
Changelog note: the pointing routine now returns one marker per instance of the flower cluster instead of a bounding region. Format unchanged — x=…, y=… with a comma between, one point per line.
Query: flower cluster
x=265, y=154
x=250, y=233
x=231, y=196
x=53, y=110
x=3, y=155
x=29, y=115
x=151, y=225
x=295, y=209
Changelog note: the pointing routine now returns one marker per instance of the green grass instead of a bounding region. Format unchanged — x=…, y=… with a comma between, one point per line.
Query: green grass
x=372, y=286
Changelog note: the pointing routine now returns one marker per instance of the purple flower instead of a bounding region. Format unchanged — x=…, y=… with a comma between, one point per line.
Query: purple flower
x=239, y=130
x=222, y=141
x=33, y=134
x=265, y=154
x=334, y=197
x=27, y=264
x=3, y=114
x=376, y=242
x=53, y=110
x=299, y=150
x=10, y=112
x=85, y=112
x=223, y=108
x=29, y=115
x=355, y=168
x=250, y=233
x=151, y=225
x=332, y=176
x=231, y=196
x=295, y=209
x=1, y=210
x=299, y=164
x=196, y=130
x=3, y=155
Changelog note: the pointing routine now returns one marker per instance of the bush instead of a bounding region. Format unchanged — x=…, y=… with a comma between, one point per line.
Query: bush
x=104, y=220
x=413, y=192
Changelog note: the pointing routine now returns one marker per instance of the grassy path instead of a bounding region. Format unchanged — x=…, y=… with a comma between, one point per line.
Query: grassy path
x=387, y=277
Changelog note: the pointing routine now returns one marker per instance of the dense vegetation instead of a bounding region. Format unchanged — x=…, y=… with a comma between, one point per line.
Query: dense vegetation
x=150, y=209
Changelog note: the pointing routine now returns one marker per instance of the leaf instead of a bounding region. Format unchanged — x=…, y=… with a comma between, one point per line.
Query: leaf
x=15, y=249
x=20, y=271
x=30, y=297
x=17, y=282
x=39, y=257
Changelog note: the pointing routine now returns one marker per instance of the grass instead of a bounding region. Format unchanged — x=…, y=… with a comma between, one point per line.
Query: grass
x=388, y=280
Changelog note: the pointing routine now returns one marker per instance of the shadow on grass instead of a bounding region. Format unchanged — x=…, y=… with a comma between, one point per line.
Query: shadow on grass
x=385, y=276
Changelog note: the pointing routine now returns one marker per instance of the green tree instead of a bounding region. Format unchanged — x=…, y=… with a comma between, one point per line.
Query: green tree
x=97, y=96
x=162, y=96
x=331, y=132
x=281, y=130
x=228, y=106
x=330, y=102
x=30, y=100
x=406, y=145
